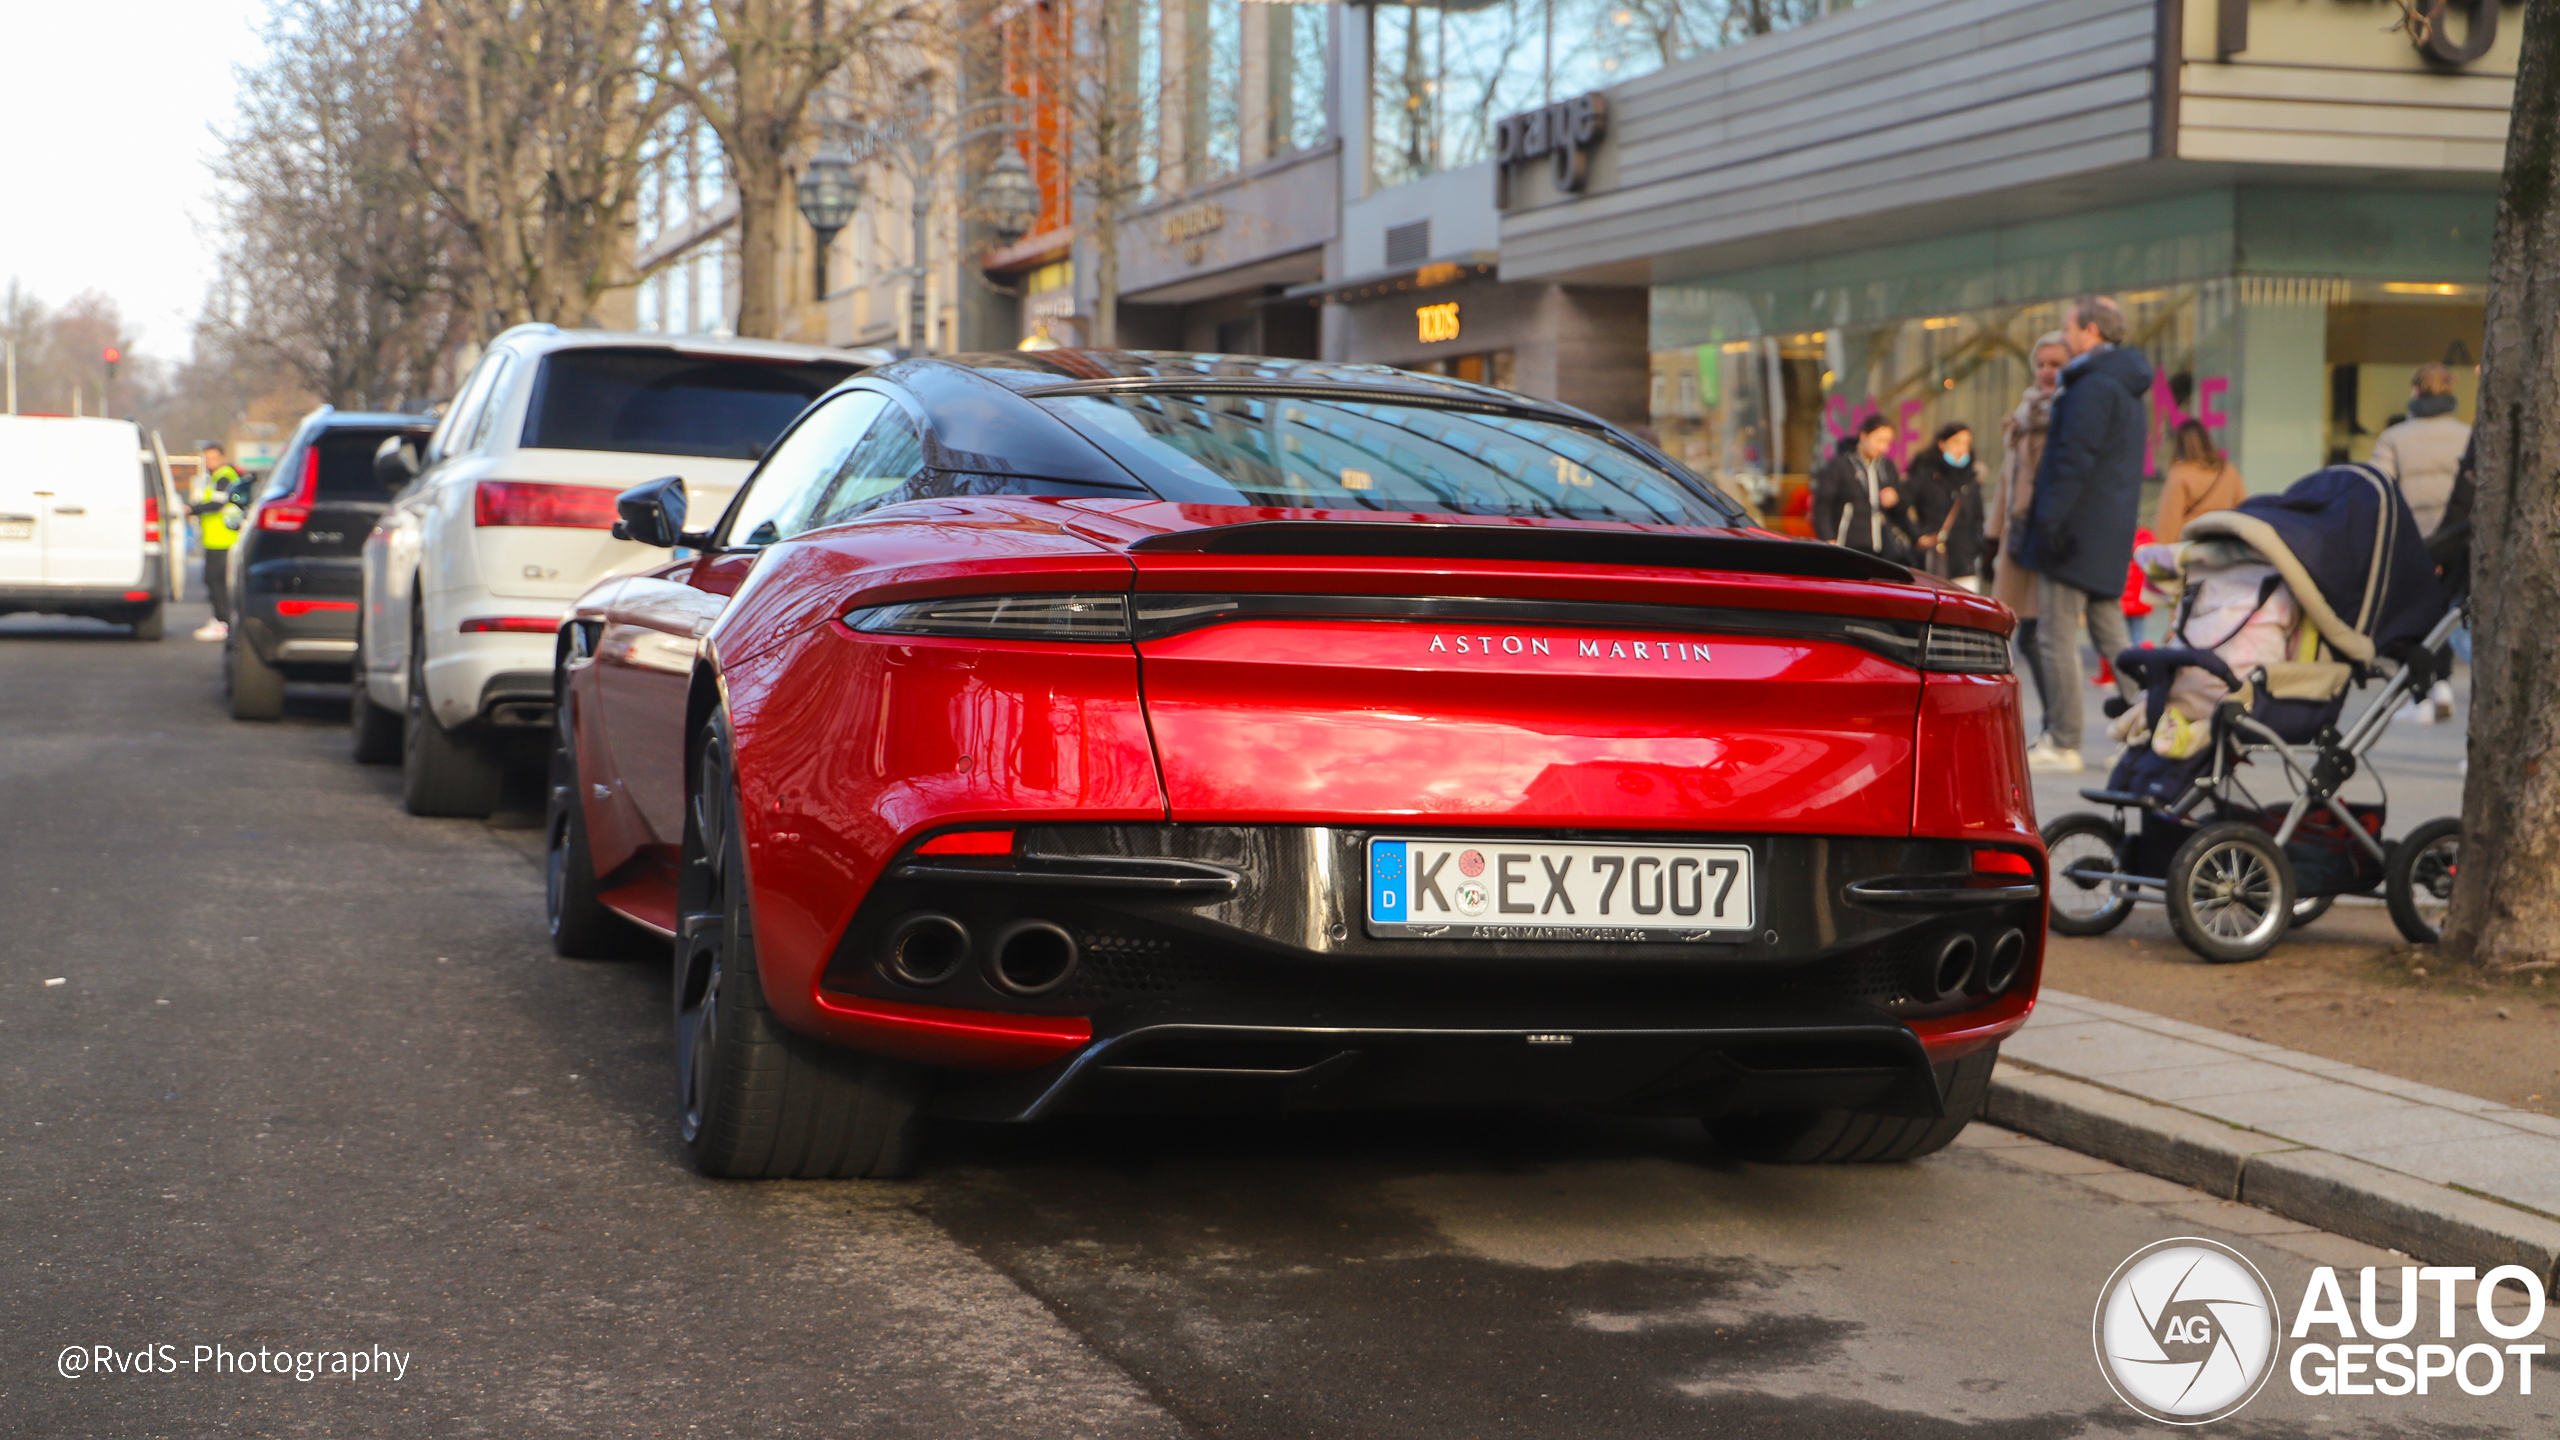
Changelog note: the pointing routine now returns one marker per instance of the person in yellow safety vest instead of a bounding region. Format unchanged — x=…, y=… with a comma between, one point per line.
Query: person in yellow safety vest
x=219, y=523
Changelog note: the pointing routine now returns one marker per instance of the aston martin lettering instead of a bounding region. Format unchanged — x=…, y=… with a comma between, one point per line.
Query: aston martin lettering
x=1665, y=651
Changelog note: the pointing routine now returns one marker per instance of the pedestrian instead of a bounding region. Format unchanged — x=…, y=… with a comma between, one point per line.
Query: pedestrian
x=2080, y=520
x=218, y=523
x=2022, y=434
x=2201, y=480
x=1942, y=511
x=1856, y=491
x=2421, y=453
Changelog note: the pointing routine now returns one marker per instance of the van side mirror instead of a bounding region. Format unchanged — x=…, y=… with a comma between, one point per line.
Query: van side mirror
x=395, y=462
x=652, y=513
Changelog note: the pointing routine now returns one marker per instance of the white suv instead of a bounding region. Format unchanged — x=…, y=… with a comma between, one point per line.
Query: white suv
x=508, y=518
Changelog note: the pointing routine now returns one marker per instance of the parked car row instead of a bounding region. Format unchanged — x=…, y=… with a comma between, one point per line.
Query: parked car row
x=999, y=736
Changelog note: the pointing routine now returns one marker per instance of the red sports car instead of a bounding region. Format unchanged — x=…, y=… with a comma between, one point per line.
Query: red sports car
x=1082, y=730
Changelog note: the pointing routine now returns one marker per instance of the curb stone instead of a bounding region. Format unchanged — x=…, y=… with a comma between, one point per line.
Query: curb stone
x=2137, y=1134
x=2345, y=1196
x=2363, y=1201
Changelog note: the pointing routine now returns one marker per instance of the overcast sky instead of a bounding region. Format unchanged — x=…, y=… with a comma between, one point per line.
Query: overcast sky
x=103, y=180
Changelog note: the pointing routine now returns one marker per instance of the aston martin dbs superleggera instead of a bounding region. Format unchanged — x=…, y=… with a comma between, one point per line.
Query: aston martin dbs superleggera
x=1080, y=730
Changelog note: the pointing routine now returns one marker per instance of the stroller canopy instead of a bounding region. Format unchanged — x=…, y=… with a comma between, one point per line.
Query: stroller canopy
x=2346, y=543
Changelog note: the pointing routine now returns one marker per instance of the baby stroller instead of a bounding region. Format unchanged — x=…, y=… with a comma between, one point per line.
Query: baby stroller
x=2283, y=608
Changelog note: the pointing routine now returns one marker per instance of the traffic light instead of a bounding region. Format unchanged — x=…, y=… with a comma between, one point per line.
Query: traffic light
x=113, y=355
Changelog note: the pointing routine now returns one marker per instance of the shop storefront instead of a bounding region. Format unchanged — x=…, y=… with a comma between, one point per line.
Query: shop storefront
x=2293, y=207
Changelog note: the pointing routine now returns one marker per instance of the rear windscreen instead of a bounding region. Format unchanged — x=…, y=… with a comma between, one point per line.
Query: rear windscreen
x=1362, y=454
x=659, y=402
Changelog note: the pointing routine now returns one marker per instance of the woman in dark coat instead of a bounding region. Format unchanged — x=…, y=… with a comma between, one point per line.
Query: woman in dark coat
x=1941, y=511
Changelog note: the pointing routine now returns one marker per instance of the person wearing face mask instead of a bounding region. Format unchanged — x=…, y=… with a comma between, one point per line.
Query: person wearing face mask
x=1942, y=511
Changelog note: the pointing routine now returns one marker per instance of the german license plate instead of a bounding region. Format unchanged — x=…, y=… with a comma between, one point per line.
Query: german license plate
x=15, y=527
x=1481, y=890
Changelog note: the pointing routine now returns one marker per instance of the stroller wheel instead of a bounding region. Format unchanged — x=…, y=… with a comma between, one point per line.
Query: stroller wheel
x=2230, y=892
x=2418, y=883
x=2307, y=908
x=2078, y=843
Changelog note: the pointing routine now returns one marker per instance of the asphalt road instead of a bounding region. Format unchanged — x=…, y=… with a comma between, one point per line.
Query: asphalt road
x=312, y=1081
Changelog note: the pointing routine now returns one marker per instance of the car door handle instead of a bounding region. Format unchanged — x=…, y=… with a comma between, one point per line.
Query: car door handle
x=70, y=509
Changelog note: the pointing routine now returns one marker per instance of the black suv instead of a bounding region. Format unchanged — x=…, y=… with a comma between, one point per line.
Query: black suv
x=296, y=572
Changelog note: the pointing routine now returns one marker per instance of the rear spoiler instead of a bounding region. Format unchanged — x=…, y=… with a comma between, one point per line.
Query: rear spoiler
x=1427, y=541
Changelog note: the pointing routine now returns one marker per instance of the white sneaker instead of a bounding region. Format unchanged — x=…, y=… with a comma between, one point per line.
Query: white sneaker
x=2416, y=712
x=213, y=630
x=2045, y=755
x=2442, y=697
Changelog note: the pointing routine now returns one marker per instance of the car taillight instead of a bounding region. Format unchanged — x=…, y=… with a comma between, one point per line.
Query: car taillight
x=294, y=510
x=509, y=625
x=517, y=502
x=150, y=517
x=1964, y=650
x=1001, y=617
x=291, y=608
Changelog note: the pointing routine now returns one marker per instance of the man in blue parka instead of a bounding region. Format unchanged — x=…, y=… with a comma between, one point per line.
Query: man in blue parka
x=2088, y=497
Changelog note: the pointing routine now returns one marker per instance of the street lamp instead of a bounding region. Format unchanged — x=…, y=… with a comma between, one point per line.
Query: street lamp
x=829, y=193
x=1009, y=196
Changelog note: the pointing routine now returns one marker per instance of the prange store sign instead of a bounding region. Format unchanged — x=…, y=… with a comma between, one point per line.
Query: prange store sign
x=1562, y=133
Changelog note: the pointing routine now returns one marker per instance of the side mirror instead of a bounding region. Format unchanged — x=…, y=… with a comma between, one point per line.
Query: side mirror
x=652, y=513
x=395, y=462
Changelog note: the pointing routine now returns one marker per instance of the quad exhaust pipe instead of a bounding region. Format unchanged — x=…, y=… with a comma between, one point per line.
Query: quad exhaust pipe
x=1027, y=957
x=1962, y=968
x=1032, y=957
x=926, y=949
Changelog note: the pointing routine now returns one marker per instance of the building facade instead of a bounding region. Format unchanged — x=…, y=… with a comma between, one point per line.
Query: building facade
x=1881, y=211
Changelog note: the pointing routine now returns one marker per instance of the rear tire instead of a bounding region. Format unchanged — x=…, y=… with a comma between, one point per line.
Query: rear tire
x=1838, y=1137
x=257, y=688
x=757, y=1101
x=153, y=624
x=2231, y=892
x=441, y=773
x=377, y=730
x=582, y=928
x=2418, y=883
x=2084, y=909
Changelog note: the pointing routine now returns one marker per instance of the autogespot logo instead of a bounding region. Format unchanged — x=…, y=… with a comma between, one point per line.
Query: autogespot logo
x=2186, y=1331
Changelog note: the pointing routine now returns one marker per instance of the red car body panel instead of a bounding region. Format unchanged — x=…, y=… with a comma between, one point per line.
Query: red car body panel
x=1337, y=722
x=850, y=747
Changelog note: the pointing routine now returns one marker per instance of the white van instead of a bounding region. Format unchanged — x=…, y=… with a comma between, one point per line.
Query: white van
x=81, y=514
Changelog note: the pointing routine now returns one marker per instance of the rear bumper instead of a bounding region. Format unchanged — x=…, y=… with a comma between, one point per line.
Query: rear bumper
x=99, y=600
x=1268, y=993
x=1734, y=1064
x=300, y=614
x=492, y=678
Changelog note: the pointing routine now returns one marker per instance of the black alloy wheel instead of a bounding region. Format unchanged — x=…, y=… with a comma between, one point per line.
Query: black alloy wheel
x=755, y=1099
x=2076, y=846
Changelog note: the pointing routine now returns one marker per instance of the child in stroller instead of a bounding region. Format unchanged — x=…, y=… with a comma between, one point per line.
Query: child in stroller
x=2284, y=606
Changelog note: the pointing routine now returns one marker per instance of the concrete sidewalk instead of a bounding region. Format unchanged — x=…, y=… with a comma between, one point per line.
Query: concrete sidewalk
x=2439, y=1175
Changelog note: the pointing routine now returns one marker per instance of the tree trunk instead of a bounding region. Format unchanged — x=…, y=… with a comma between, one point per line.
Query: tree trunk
x=759, y=181
x=2506, y=902
x=1106, y=275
